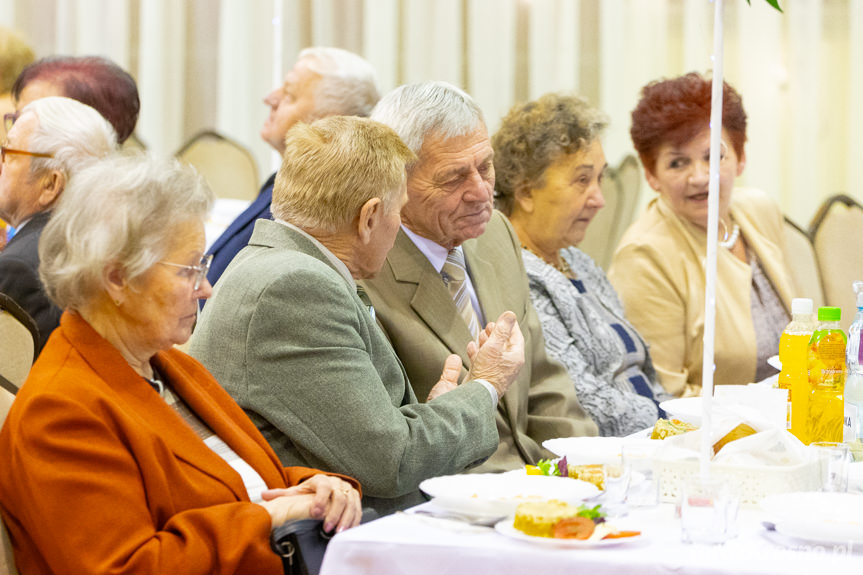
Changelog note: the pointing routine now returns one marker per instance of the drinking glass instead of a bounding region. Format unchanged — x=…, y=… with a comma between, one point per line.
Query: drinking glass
x=639, y=467
x=708, y=510
x=616, y=483
x=832, y=460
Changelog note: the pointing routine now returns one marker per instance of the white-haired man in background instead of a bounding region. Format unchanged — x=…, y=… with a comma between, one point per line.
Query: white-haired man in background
x=324, y=82
x=51, y=140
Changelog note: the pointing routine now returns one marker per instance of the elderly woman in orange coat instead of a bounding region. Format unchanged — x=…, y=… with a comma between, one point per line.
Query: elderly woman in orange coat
x=122, y=454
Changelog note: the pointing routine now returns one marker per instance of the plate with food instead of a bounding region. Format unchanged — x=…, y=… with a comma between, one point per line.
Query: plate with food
x=559, y=524
x=498, y=494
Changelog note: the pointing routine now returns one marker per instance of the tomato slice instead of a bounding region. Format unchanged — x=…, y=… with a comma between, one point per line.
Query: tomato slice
x=573, y=528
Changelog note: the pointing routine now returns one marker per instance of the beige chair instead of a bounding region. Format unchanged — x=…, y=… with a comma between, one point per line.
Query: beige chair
x=227, y=166
x=18, y=334
x=620, y=187
x=837, y=234
x=7, y=561
x=801, y=260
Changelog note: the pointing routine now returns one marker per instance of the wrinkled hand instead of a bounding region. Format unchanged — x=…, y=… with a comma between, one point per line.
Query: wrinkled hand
x=320, y=497
x=498, y=355
x=448, y=379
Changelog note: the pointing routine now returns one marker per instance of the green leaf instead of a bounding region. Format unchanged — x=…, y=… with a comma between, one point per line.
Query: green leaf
x=547, y=466
x=591, y=512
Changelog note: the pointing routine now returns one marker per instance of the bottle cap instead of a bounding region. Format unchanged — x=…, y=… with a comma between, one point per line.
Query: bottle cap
x=858, y=289
x=829, y=313
x=801, y=305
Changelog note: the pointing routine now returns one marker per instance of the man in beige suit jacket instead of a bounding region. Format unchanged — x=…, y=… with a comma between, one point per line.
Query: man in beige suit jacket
x=450, y=194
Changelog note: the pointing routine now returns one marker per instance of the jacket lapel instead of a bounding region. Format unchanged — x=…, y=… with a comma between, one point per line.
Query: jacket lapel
x=488, y=291
x=239, y=434
x=431, y=300
x=145, y=404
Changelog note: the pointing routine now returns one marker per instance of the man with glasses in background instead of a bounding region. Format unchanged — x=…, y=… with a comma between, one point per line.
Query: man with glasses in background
x=50, y=141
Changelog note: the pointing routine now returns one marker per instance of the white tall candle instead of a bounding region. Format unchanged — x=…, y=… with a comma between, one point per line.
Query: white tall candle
x=712, y=229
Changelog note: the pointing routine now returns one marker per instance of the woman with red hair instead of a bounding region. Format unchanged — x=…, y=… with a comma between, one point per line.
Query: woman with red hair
x=658, y=268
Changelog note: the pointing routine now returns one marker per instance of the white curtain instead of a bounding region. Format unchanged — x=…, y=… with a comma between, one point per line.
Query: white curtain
x=208, y=63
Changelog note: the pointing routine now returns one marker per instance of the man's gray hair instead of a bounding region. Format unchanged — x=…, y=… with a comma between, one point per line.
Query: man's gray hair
x=348, y=84
x=122, y=209
x=74, y=133
x=415, y=111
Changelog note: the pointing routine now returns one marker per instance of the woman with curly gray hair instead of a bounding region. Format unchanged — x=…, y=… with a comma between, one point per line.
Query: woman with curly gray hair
x=549, y=164
x=122, y=454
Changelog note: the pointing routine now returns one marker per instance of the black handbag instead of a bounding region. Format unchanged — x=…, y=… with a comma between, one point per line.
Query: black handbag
x=301, y=543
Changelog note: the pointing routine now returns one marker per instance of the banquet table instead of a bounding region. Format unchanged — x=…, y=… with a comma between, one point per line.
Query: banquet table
x=421, y=545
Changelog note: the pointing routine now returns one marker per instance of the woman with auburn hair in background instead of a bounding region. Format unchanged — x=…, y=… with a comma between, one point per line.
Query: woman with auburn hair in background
x=658, y=268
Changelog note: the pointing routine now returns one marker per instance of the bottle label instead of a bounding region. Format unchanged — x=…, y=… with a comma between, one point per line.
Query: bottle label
x=849, y=428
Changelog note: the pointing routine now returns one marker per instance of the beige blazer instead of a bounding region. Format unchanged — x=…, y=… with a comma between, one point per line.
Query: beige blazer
x=658, y=271
x=416, y=310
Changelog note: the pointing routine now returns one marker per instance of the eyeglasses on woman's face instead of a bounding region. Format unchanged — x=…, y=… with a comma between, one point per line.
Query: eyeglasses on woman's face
x=198, y=272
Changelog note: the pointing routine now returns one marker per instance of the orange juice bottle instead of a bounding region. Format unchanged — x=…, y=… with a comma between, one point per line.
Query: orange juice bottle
x=794, y=355
x=827, y=377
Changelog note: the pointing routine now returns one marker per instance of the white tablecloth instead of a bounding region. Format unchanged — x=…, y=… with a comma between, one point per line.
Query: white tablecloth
x=419, y=545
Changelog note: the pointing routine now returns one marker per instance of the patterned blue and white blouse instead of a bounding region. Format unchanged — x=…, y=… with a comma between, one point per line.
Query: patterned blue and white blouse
x=584, y=328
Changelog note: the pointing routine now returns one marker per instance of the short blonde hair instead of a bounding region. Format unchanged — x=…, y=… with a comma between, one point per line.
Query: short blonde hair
x=120, y=209
x=334, y=166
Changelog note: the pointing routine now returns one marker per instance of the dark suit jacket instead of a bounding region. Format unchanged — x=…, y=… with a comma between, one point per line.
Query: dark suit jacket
x=101, y=475
x=287, y=336
x=19, y=277
x=237, y=235
x=424, y=326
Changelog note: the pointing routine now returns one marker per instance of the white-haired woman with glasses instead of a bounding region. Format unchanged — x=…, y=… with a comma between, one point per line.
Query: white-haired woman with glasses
x=122, y=454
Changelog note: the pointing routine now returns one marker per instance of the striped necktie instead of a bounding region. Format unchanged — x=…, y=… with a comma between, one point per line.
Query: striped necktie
x=453, y=274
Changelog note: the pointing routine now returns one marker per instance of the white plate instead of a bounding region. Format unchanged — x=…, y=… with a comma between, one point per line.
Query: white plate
x=683, y=408
x=498, y=494
x=504, y=527
x=819, y=517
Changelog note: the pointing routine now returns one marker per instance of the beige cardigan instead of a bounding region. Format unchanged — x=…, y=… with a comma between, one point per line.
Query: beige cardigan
x=658, y=270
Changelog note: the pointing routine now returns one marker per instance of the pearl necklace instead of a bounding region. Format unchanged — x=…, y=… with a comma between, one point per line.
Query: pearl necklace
x=729, y=242
x=562, y=267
